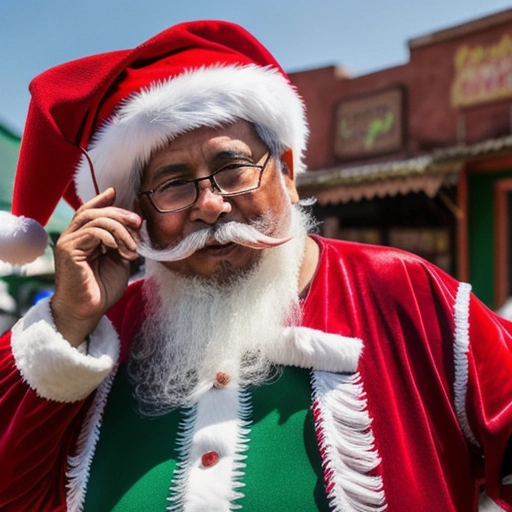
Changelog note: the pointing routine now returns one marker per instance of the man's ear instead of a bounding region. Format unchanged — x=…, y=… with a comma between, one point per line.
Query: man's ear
x=288, y=175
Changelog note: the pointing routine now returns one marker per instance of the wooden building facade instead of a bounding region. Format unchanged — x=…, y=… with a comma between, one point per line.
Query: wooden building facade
x=419, y=156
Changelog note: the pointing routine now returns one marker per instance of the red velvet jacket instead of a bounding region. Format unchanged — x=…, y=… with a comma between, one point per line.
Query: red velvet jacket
x=441, y=410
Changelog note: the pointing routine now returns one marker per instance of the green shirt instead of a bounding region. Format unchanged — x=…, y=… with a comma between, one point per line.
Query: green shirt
x=136, y=456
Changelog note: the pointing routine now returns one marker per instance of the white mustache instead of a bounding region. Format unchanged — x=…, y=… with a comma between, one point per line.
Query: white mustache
x=229, y=232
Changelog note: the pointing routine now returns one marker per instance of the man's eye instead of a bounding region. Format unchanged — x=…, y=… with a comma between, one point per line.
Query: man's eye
x=173, y=184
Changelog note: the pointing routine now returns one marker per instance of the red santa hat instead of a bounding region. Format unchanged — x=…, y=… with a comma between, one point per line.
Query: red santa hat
x=121, y=106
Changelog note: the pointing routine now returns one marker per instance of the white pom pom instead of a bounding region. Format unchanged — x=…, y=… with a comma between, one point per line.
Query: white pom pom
x=22, y=240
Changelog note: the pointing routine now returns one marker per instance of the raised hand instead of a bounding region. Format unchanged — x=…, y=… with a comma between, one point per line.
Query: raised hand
x=92, y=260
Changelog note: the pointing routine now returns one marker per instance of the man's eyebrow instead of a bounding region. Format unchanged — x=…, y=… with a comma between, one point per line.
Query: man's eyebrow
x=222, y=156
x=168, y=170
x=218, y=159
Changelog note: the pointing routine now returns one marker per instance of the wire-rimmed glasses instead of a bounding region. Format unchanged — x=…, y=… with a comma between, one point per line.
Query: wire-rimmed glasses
x=175, y=195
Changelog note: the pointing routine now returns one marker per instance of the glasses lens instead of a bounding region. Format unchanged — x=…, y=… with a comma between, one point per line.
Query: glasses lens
x=238, y=179
x=174, y=196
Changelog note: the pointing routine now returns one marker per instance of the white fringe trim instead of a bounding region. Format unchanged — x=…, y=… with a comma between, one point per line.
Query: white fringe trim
x=347, y=444
x=461, y=349
x=183, y=447
x=219, y=422
x=79, y=466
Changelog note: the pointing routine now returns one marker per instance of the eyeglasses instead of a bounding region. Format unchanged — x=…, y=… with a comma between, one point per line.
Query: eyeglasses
x=231, y=180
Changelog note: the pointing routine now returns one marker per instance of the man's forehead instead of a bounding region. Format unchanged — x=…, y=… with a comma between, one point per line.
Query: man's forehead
x=215, y=146
x=238, y=129
x=239, y=137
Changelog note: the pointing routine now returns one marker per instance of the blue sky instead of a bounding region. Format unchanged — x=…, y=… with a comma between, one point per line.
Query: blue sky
x=362, y=35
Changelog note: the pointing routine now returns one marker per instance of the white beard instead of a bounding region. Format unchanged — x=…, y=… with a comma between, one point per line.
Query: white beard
x=196, y=327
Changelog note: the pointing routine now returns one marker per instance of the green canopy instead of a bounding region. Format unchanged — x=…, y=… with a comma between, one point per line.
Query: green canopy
x=9, y=152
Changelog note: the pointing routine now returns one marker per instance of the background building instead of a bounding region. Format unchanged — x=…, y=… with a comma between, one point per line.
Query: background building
x=419, y=156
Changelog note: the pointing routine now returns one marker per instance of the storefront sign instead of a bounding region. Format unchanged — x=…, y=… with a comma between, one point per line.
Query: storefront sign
x=482, y=73
x=369, y=126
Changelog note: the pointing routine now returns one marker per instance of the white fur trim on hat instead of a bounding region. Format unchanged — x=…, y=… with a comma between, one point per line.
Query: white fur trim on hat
x=22, y=239
x=211, y=97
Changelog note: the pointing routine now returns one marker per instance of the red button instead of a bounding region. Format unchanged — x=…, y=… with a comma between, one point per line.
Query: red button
x=209, y=459
x=221, y=380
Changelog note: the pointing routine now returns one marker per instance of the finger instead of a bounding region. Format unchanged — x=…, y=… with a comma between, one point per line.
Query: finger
x=124, y=236
x=127, y=218
x=97, y=238
x=91, y=242
x=106, y=198
x=83, y=243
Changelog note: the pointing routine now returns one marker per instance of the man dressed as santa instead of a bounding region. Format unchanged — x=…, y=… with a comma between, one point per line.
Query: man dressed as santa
x=254, y=366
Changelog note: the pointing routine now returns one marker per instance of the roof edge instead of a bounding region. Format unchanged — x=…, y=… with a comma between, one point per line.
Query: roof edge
x=463, y=29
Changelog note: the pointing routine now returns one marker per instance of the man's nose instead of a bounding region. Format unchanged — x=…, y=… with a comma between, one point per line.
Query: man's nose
x=210, y=205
